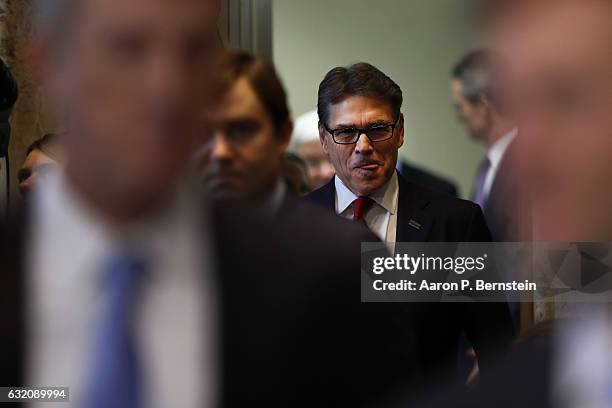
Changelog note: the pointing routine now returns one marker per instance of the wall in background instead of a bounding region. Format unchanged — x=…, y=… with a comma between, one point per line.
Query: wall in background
x=414, y=41
x=28, y=120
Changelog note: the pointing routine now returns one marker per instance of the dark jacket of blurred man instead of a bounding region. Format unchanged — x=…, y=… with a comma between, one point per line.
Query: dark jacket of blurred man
x=361, y=129
x=478, y=97
x=122, y=286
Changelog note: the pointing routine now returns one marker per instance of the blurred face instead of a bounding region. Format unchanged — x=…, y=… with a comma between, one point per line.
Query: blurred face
x=242, y=155
x=365, y=166
x=36, y=162
x=473, y=116
x=320, y=170
x=562, y=89
x=133, y=77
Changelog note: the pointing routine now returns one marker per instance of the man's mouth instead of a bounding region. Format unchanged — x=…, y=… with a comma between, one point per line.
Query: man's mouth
x=369, y=166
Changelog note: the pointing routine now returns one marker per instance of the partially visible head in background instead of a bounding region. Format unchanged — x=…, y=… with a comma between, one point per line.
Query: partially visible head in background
x=360, y=125
x=250, y=129
x=132, y=76
x=477, y=93
x=305, y=143
x=561, y=83
x=42, y=155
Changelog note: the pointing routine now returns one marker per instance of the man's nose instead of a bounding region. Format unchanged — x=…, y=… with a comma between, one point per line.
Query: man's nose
x=363, y=144
x=221, y=148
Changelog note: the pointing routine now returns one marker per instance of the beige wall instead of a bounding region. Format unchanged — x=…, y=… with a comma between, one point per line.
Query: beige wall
x=413, y=41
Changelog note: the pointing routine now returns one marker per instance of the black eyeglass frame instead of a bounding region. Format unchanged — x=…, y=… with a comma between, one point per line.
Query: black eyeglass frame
x=363, y=131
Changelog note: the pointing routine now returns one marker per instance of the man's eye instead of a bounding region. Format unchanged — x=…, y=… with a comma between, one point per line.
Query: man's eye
x=242, y=130
x=345, y=132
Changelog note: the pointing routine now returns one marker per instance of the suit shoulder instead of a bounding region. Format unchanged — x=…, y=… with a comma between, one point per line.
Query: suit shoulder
x=437, y=198
x=428, y=179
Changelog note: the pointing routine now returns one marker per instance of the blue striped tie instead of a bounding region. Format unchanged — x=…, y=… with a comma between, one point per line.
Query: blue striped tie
x=115, y=379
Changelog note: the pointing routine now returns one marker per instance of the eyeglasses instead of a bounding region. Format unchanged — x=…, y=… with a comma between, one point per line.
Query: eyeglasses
x=350, y=135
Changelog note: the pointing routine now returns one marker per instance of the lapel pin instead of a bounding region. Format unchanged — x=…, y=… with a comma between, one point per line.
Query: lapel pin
x=415, y=224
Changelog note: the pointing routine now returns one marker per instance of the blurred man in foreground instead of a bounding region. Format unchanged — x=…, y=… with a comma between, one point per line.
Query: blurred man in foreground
x=124, y=286
x=561, y=89
x=562, y=77
x=361, y=128
x=104, y=315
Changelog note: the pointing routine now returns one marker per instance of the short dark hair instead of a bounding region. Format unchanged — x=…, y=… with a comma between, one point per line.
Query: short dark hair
x=234, y=64
x=480, y=74
x=361, y=79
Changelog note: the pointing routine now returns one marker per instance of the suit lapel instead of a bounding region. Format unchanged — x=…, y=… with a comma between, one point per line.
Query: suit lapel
x=413, y=221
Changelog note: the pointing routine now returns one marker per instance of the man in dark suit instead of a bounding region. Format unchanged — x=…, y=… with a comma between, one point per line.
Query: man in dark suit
x=361, y=129
x=477, y=92
x=479, y=97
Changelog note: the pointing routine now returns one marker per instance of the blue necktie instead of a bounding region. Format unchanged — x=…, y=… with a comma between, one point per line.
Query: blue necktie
x=114, y=377
x=478, y=195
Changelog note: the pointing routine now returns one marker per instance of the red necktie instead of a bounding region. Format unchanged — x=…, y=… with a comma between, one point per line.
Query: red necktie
x=360, y=207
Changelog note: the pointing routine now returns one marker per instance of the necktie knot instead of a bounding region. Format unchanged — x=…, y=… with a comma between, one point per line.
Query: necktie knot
x=360, y=208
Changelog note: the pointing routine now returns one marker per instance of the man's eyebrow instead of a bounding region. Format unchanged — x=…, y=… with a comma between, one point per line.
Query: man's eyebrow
x=378, y=122
x=346, y=126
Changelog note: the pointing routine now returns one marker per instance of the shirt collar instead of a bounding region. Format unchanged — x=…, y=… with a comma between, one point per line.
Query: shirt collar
x=386, y=196
x=77, y=225
x=496, y=152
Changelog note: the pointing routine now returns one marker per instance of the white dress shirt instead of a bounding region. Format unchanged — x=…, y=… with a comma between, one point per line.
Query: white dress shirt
x=175, y=314
x=382, y=217
x=495, y=155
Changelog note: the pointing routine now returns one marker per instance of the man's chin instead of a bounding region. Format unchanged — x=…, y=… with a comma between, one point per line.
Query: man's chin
x=365, y=187
x=225, y=191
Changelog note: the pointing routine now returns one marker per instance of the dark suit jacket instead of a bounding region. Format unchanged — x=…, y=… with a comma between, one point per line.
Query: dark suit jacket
x=427, y=179
x=293, y=330
x=434, y=328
